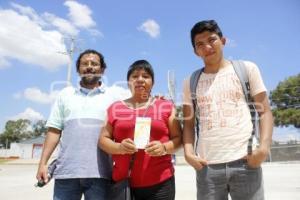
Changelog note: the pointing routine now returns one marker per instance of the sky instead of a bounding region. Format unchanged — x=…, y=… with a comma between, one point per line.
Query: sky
x=35, y=35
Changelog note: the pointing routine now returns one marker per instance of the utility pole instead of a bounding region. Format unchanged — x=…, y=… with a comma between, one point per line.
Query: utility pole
x=70, y=52
x=172, y=94
x=171, y=85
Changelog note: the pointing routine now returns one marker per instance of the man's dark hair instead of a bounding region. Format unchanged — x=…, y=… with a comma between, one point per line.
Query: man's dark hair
x=206, y=25
x=91, y=51
x=141, y=64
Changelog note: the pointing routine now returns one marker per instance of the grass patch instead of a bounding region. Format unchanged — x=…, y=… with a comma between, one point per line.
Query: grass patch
x=3, y=160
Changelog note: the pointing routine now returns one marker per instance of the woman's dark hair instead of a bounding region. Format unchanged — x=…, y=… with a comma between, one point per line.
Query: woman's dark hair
x=206, y=25
x=90, y=51
x=141, y=64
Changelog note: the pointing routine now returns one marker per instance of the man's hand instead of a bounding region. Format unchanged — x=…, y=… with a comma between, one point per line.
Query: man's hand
x=127, y=146
x=266, y=127
x=258, y=156
x=42, y=173
x=195, y=161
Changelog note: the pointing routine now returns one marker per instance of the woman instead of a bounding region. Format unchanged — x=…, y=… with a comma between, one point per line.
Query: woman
x=152, y=172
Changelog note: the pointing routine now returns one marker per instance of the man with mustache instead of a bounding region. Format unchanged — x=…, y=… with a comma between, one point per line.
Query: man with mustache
x=75, y=121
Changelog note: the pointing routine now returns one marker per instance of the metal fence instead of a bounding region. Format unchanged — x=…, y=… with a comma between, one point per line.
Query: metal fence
x=285, y=151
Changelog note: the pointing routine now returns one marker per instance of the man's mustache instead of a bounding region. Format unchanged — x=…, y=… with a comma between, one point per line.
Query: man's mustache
x=90, y=74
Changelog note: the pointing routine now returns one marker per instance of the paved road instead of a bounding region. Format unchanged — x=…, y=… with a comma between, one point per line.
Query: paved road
x=282, y=182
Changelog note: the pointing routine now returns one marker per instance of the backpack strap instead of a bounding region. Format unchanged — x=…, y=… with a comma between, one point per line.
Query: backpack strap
x=193, y=86
x=242, y=74
x=241, y=71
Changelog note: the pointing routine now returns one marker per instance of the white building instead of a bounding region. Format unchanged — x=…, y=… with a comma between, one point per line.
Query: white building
x=26, y=149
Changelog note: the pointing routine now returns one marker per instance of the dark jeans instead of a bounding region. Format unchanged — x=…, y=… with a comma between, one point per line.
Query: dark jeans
x=161, y=191
x=73, y=189
x=216, y=181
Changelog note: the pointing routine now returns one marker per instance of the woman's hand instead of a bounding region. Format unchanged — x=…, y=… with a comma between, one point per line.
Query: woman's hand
x=127, y=146
x=156, y=148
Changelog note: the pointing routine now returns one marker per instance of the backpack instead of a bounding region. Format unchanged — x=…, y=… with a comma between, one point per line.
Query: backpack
x=241, y=72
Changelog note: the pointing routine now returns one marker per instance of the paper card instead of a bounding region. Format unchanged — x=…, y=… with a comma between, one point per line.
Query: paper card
x=142, y=132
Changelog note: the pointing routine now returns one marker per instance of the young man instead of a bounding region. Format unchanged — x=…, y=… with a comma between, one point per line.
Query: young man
x=221, y=160
x=75, y=122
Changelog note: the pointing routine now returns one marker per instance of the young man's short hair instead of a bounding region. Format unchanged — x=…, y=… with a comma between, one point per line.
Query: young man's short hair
x=202, y=26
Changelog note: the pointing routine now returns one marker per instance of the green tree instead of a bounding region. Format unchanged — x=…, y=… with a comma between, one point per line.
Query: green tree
x=39, y=128
x=15, y=131
x=285, y=101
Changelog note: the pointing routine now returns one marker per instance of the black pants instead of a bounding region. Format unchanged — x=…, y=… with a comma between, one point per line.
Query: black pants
x=161, y=191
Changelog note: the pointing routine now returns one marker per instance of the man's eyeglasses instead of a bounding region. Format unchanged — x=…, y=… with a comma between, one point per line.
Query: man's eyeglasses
x=92, y=64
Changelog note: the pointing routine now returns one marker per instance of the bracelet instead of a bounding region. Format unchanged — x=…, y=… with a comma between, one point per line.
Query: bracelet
x=165, y=150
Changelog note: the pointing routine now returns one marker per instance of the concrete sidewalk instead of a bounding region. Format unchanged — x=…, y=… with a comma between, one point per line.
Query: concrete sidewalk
x=179, y=161
x=282, y=181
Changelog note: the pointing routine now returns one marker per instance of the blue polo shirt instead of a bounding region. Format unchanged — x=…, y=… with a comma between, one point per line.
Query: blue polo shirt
x=80, y=114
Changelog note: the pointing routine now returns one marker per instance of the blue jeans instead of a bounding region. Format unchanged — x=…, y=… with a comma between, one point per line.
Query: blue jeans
x=216, y=181
x=72, y=189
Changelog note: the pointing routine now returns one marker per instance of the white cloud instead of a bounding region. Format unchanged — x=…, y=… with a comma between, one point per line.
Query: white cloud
x=36, y=95
x=36, y=39
x=30, y=114
x=95, y=32
x=30, y=12
x=151, y=27
x=80, y=14
x=24, y=40
x=63, y=25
